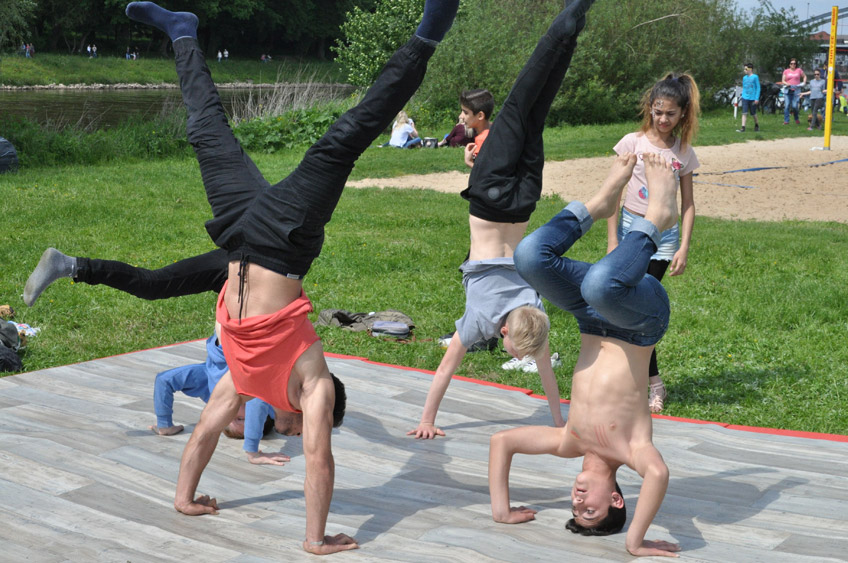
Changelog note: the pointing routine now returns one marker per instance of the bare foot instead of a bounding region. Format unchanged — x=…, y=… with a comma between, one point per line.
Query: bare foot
x=662, y=187
x=605, y=202
x=169, y=431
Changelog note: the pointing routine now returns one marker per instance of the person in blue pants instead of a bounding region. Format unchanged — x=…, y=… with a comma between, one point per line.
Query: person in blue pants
x=198, y=380
x=621, y=312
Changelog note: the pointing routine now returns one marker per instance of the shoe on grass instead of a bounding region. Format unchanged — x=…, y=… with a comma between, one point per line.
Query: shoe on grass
x=517, y=363
x=657, y=396
x=532, y=368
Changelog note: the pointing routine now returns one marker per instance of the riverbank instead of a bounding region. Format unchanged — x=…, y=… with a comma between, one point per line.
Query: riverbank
x=170, y=86
x=47, y=69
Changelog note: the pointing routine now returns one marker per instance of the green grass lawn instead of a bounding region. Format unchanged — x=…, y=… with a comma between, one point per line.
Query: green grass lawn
x=78, y=69
x=759, y=320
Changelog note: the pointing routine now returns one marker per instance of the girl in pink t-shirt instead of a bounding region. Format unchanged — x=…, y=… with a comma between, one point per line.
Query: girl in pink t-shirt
x=670, y=119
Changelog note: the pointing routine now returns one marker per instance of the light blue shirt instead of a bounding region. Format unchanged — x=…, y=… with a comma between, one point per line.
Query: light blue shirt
x=751, y=87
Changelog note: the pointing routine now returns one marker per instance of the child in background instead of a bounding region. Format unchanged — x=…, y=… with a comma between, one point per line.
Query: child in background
x=750, y=96
x=669, y=122
x=476, y=109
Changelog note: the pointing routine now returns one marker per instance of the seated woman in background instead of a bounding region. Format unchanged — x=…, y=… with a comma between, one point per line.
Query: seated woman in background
x=404, y=135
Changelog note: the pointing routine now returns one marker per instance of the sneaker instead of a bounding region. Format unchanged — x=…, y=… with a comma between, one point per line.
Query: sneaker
x=485, y=345
x=532, y=368
x=740, y=130
x=786, y=123
x=657, y=396
x=809, y=128
x=756, y=128
x=797, y=122
x=444, y=341
x=517, y=363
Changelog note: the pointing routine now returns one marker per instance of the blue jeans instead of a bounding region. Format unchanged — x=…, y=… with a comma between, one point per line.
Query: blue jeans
x=790, y=102
x=192, y=380
x=612, y=298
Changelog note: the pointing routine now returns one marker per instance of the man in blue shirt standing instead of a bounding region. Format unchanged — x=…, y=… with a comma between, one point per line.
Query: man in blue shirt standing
x=750, y=96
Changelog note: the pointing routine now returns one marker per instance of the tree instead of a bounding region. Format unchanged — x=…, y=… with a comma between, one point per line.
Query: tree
x=624, y=49
x=15, y=16
x=775, y=36
x=370, y=37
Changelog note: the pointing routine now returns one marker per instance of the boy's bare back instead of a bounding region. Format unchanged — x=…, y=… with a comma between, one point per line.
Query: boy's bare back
x=494, y=240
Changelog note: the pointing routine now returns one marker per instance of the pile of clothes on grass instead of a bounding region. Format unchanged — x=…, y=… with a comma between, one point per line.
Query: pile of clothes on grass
x=13, y=338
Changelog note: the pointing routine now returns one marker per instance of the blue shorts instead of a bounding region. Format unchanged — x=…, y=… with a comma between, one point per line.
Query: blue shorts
x=748, y=106
x=670, y=238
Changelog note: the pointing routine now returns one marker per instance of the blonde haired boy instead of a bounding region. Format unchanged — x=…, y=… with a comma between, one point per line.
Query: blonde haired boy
x=504, y=186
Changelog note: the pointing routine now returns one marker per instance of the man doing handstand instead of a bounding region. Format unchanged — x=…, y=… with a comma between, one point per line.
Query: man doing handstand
x=622, y=313
x=504, y=186
x=272, y=234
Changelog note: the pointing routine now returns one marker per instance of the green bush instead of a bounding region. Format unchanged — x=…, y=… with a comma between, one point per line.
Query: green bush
x=624, y=49
x=53, y=144
x=370, y=38
x=288, y=130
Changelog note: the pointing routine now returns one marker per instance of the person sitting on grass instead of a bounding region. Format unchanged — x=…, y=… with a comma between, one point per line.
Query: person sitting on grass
x=272, y=235
x=622, y=313
x=504, y=186
x=404, y=133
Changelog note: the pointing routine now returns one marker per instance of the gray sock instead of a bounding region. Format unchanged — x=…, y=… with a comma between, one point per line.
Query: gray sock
x=52, y=266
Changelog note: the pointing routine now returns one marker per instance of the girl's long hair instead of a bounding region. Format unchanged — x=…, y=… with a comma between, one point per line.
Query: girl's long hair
x=401, y=119
x=684, y=91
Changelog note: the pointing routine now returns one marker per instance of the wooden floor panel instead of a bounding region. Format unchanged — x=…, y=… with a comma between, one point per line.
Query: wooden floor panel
x=82, y=479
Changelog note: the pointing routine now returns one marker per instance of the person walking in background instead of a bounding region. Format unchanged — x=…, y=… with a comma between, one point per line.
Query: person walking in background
x=670, y=119
x=750, y=96
x=226, y=55
x=817, y=89
x=793, y=80
x=219, y=55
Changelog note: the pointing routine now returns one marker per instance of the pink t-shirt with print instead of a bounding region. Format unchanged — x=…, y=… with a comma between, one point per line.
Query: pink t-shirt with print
x=792, y=77
x=682, y=161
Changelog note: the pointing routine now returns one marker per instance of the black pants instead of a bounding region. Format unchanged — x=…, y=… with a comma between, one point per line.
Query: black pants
x=656, y=268
x=281, y=227
x=506, y=181
x=199, y=274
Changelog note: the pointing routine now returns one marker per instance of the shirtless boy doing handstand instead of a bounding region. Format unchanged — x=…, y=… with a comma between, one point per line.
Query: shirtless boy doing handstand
x=621, y=313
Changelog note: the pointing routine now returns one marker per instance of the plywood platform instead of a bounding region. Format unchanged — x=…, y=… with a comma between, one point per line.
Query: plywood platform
x=82, y=479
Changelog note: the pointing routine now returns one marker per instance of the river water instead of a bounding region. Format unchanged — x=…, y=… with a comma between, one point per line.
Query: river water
x=107, y=107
